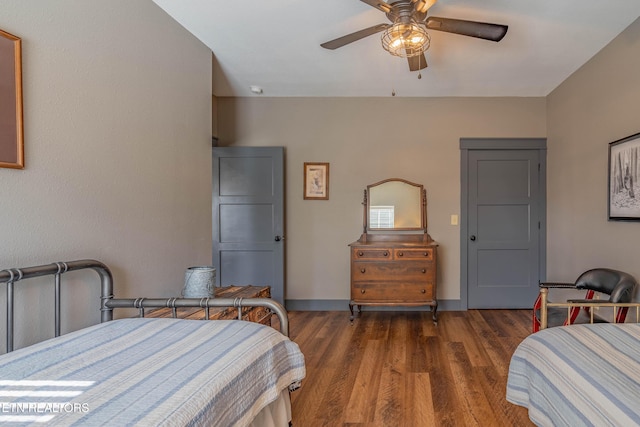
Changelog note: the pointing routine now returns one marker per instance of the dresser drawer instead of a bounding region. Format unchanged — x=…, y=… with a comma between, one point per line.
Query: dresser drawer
x=396, y=293
x=425, y=253
x=392, y=272
x=372, y=253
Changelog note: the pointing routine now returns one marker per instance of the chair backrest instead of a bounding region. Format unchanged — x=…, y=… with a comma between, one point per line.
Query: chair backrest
x=620, y=286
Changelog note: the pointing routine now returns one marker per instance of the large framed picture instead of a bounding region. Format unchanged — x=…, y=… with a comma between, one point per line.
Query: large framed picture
x=624, y=173
x=316, y=181
x=11, y=127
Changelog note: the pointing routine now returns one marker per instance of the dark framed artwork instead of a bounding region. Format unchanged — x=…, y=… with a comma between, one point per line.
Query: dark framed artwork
x=624, y=174
x=11, y=126
x=316, y=181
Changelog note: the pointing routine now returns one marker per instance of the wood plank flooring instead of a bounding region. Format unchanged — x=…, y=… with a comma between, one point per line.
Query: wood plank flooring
x=398, y=369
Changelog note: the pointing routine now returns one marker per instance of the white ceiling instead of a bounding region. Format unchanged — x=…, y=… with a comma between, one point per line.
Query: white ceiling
x=275, y=44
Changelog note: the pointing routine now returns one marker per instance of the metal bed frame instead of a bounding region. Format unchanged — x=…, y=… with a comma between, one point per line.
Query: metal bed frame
x=13, y=275
x=545, y=304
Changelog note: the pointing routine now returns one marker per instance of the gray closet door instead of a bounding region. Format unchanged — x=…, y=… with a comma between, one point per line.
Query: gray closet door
x=503, y=247
x=248, y=217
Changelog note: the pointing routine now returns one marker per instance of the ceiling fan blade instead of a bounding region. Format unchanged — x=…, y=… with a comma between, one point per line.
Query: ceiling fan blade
x=481, y=30
x=378, y=4
x=417, y=62
x=350, y=38
x=423, y=5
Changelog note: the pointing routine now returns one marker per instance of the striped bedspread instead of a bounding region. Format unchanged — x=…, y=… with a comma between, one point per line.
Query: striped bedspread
x=579, y=375
x=150, y=372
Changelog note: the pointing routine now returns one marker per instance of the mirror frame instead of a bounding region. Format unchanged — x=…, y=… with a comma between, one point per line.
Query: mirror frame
x=422, y=201
x=11, y=147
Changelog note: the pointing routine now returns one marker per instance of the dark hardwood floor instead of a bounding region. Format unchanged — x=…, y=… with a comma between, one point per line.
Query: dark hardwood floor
x=398, y=369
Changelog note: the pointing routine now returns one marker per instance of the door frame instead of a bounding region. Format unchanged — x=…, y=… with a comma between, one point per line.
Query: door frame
x=470, y=144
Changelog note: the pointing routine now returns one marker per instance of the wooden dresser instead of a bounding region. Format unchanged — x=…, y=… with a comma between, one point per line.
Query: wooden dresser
x=394, y=270
x=394, y=262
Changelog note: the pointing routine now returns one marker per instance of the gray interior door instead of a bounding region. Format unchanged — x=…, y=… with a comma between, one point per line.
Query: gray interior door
x=503, y=228
x=248, y=217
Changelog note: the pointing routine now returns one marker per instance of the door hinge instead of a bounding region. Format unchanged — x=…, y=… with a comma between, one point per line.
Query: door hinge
x=538, y=225
x=538, y=167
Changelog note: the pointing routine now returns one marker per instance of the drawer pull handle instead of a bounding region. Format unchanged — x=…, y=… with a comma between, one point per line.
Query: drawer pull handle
x=362, y=270
x=360, y=253
x=400, y=254
x=386, y=254
x=423, y=291
x=362, y=291
x=424, y=270
x=426, y=254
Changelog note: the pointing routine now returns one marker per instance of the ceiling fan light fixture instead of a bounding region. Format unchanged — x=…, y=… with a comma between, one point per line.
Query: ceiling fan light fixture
x=406, y=39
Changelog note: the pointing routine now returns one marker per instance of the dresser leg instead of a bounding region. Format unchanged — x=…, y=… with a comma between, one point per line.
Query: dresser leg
x=434, y=313
x=351, y=310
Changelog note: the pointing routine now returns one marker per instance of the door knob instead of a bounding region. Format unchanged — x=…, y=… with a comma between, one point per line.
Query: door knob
x=473, y=238
x=278, y=238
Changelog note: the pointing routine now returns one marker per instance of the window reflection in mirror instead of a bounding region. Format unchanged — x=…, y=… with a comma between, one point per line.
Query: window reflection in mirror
x=381, y=217
x=395, y=205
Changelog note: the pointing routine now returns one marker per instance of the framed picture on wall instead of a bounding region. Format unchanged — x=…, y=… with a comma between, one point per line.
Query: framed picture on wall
x=624, y=174
x=316, y=181
x=11, y=128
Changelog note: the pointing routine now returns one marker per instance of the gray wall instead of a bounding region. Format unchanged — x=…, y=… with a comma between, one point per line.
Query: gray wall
x=598, y=104
x=117, y=119
x=367, y=140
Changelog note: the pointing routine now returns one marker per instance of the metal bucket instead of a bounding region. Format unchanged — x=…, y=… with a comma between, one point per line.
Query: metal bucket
x=199, y=282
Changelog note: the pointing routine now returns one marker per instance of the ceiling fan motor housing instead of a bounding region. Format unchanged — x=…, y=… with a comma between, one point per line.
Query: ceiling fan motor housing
x=403, y=11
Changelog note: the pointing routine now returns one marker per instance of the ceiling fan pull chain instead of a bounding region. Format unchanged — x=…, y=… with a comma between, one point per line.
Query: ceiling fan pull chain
x=419, y=66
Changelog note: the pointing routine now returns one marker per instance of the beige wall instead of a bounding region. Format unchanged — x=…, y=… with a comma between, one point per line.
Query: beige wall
x=117, y=119
x=367, y=140
x=118, y=155
x=598, y=104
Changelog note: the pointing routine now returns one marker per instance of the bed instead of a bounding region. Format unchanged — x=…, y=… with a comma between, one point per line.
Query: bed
x=150, y=371
x=579, y=375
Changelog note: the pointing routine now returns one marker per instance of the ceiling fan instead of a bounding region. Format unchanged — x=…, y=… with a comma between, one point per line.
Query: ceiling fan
x=406, y=36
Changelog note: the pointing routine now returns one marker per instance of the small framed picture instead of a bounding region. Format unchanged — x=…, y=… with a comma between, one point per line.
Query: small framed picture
x=624, y=174
x=316, y=181
x=11, y=127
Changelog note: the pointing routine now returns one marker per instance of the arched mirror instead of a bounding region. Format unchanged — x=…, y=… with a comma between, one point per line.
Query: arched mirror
x=395, y=204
